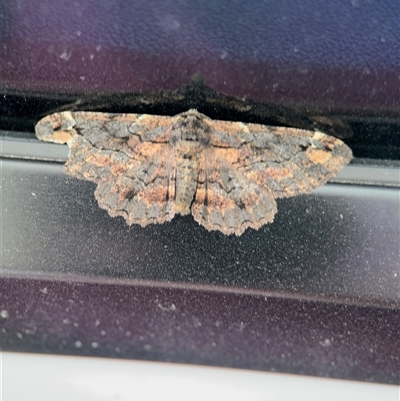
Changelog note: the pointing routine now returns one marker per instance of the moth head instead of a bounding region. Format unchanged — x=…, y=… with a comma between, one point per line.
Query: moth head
x=191, y=127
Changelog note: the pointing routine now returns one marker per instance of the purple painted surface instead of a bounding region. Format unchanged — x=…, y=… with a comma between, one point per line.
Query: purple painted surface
x=339, y=244
x=200, y=326
x=342, y=55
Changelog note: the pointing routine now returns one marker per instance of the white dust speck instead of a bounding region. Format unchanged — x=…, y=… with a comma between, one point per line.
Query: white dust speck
x=4, y=314
x=169, y=23
x=170, y=308
x=65, y=55
x=326, y=343
x=95, y=344
x=78, y=344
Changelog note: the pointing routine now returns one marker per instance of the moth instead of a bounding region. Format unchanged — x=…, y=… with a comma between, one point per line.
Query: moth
x=226, y=174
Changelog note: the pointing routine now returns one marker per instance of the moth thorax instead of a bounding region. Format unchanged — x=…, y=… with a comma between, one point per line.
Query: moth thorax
x=187, y=134
x=183, y=146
